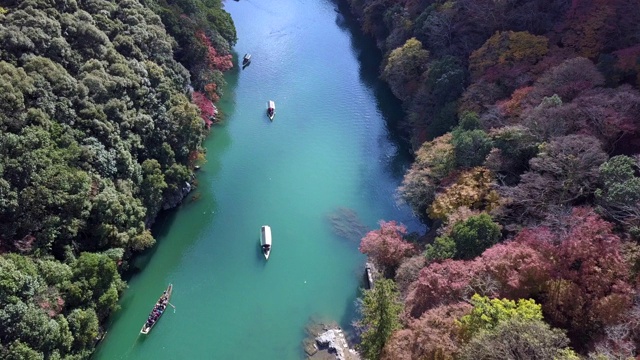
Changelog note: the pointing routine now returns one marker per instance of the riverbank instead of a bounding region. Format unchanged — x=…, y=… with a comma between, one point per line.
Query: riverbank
x=327, y=341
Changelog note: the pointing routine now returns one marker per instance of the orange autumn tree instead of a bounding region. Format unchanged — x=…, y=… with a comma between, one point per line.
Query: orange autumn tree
x=513, y=107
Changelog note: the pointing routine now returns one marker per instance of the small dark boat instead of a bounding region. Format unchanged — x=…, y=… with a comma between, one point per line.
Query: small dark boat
x=271, y=109
x=158, y=310
x=246, y=59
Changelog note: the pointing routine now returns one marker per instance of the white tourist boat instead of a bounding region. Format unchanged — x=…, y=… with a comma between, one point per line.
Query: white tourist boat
x=265, y=241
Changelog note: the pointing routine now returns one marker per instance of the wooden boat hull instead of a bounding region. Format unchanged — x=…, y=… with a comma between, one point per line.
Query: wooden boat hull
x=265, y=241
x=147, y=329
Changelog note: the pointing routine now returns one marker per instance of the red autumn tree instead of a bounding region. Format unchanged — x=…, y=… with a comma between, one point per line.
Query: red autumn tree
x=211, y=90
x=589, y=286
x=214, y=60
x=588, y=25
x=207, y=109
x=520, y=270
x=440, y=283
x=434, y=336
x=596, y=26
x=386, y=246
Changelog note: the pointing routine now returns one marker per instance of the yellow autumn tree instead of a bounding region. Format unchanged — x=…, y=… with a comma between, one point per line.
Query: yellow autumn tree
x=474, y=190
x=404, y=68
x=434, y=161
x=437, y=156
x=508, y=48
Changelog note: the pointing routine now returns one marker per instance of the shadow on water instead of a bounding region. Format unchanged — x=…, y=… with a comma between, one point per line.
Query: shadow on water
x=350, y=315
x=231, y=77
x=159, y=231
x=260, y=255
x=370, y=59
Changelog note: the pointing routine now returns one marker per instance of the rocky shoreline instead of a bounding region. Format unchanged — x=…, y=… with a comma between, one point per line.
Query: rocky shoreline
x=327, y=341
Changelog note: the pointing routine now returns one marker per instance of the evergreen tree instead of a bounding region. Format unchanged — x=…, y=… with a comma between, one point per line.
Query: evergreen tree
x=381, y=310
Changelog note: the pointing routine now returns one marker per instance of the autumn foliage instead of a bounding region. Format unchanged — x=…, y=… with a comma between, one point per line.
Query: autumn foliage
x=589, y=286
x=473, y=189
x=208, y=111
x=215, y=61
x=554, y=88
x=506, y=50
x=386, y=246
x=574, y=269
x=434, y=336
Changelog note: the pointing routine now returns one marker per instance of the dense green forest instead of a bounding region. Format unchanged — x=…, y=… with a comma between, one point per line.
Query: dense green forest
x=524, y=116
x=102, y=116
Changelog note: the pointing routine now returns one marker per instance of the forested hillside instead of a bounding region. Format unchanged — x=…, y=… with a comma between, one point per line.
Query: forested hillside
x=525, y=118
x=98, y=133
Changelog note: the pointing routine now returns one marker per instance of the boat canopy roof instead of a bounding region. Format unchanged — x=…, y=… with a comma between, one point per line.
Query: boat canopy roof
x=266, y=235
x=272, y=105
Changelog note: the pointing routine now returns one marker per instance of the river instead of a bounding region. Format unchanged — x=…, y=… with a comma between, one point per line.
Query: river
x=328, y=149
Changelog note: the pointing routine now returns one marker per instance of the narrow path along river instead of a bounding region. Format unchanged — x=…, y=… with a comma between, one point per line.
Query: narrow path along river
x=328, y=149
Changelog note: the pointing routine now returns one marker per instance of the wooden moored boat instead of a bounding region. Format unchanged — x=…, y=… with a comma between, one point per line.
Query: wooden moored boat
x=271, y=109
x=265, y=240
x=158, y=310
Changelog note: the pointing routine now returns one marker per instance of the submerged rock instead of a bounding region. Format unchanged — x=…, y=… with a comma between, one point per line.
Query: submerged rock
x=346, y=223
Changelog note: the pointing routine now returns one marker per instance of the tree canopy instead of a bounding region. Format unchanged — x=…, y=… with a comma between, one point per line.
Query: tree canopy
x=98, y=133
x=525, y=121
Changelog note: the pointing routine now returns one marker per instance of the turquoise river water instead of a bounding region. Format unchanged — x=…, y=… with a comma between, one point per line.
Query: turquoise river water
x=328, y=149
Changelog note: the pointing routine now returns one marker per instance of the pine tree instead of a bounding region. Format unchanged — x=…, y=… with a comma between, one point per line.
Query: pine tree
x=381, y=310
